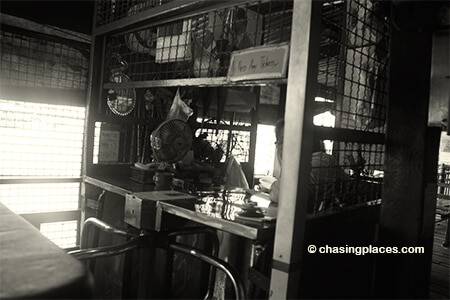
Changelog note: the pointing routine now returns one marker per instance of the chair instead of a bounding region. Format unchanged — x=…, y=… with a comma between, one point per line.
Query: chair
x=166, y=240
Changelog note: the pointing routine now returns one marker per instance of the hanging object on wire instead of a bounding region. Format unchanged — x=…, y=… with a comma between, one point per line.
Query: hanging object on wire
x=121, y=101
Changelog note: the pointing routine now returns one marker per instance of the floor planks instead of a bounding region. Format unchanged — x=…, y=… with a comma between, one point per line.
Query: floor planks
x=440, y=272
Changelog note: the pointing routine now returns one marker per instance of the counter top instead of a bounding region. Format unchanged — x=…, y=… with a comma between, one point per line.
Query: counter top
x=253, y=230
x=121, y=185
x=250, y=230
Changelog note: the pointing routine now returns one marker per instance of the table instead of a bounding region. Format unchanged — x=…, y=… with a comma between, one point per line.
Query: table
x=238, y=237
x=34, y=267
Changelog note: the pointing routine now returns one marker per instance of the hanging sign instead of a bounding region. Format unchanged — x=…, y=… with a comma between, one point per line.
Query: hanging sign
x=264, y=62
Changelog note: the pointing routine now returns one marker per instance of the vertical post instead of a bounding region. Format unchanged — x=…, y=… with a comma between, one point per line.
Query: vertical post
x=407, y=210
x=253, y=134
x=95, y=80
x=302, y=79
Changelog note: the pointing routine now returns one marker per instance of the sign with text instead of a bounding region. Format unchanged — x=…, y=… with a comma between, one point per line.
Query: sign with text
x=109, y=147
x=264, y=62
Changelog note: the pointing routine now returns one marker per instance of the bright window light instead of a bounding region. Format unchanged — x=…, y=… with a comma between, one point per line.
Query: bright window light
x=42, y=141
x=97, y=130
x=24, y=198
x=321, y=99
x=325, y=119
x=63, y=234
x=265, y=150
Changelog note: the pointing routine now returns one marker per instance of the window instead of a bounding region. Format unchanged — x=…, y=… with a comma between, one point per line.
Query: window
x=40, y=165
x=265, y=150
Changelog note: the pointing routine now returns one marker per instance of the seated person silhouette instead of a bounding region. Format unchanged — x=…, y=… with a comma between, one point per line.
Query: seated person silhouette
x=327, y=175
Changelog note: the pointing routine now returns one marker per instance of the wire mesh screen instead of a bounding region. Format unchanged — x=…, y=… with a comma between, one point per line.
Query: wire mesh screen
x=40, y=139
x=443, y=192
x=240, y=145
x=443, y=179
x=352, y=71
x=112, y=10
x=216, y=138
x=122, y=143
x=232, y=142
x=352, y=89
x=24, y=198
x=63, y=234
x=196, y=46
x=355, y=181
x=41, y=143
x=31, y=62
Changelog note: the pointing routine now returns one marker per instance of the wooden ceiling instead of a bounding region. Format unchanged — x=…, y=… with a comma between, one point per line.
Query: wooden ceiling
x=72, y=15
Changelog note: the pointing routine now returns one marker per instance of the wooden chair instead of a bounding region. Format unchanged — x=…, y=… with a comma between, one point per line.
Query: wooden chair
x=443, y=198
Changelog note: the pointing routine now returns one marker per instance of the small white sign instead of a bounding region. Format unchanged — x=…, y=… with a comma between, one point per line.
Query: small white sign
x=108, y=151
x=263, y=62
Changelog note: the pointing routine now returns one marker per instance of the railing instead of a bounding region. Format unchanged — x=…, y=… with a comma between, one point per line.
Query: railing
x=164, y=240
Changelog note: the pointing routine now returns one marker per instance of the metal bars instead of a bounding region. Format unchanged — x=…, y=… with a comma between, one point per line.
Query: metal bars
x=113, y=10
x=353, y=180
x=41, y=139
x=41, y=143
x=352, y=88
x=197, y=46
x=63, y=234
x=353, y=63
x=30, y=62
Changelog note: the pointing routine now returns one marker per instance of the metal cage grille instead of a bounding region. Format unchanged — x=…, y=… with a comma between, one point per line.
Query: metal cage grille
x=25, y=198
x=217, y=138
x=41, y=144
x=63, y=234
x=232, y=142
x=40, y=165
x=240, y=145
x=40, y=139
x=112, y=10
x=196, y=46
x=443, y=192
x=351, y=82
x=352, y=87
x=352, y=71
x=31, y=62
x=353, y=180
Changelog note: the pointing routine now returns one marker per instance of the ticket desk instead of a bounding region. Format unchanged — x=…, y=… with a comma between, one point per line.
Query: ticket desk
x=181, y=219
x=32, y=267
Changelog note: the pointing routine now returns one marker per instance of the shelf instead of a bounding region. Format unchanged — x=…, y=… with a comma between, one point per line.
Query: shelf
x=349, y=135
x=120, y=119
x=170, y=11
x=162, y=11
x=200, y=82
x=37, y=179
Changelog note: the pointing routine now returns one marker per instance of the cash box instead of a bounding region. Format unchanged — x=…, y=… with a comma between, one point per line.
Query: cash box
x=142, y=209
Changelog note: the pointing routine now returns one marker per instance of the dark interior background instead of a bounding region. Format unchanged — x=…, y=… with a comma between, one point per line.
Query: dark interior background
x=72, y=15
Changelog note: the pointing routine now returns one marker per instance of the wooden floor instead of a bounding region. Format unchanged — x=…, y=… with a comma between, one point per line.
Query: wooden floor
x=440, y=272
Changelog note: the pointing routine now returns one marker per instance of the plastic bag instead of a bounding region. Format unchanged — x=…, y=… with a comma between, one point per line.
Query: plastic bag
x=179, y=109
x=235, y=174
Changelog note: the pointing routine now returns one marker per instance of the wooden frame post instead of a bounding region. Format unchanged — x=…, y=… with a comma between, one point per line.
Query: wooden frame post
x=295, y=177
x=408, y=207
